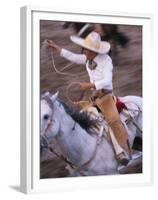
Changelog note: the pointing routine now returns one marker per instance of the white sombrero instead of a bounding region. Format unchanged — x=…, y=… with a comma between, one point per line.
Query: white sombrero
x=92, y=42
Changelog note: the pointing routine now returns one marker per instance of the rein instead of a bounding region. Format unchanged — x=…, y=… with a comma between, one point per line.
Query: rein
x=73, y=166
x=61, y=157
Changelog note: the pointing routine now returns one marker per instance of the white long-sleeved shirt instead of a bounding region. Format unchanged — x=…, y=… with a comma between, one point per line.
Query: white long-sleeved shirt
x=101, y=76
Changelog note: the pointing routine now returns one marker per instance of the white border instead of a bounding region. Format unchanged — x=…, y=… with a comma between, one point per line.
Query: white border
x=30, y=57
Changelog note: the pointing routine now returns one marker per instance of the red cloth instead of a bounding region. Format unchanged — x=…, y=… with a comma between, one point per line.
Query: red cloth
x=120, y=105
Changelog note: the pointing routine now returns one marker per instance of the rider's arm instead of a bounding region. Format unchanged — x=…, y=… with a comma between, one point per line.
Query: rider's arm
x=73, y=57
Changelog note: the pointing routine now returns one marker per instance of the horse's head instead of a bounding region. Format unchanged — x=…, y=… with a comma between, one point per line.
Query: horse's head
x=49, y=122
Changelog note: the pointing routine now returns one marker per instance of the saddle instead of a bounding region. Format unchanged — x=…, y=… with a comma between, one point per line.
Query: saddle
x=120, y=105
x=127, y=110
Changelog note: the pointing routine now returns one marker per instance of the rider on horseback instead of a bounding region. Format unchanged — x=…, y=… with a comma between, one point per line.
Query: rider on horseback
x=99, y=67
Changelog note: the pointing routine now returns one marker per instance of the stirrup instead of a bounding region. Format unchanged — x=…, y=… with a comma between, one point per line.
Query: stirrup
x=122, y=158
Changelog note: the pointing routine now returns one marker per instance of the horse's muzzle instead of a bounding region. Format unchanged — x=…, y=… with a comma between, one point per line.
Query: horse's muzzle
x=43, y=143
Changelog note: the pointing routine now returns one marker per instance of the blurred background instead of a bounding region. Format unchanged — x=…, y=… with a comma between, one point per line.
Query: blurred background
x=126, y=53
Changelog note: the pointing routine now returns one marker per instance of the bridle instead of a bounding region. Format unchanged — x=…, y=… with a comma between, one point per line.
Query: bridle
x=47, y=98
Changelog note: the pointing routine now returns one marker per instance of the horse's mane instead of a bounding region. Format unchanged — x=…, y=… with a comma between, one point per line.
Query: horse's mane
x=82, y=118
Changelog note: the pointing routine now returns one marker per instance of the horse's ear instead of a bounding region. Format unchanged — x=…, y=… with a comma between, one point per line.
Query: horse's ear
x=45, y=94
x=54, y=96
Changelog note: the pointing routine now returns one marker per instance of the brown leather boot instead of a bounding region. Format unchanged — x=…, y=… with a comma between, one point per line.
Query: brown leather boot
x=122, y=158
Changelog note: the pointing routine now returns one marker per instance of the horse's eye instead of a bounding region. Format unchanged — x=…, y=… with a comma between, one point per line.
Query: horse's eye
x=46, y=117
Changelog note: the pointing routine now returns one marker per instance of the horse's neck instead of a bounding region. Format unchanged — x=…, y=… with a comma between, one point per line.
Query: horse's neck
x=74, y=141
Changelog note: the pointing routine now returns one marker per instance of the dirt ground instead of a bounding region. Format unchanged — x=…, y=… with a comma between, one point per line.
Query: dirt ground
x=127, y=75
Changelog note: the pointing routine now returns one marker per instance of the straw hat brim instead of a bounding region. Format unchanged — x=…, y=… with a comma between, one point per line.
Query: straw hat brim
x=104, y=46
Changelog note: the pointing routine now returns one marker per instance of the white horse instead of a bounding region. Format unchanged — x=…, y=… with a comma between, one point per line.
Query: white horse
x=75, y=134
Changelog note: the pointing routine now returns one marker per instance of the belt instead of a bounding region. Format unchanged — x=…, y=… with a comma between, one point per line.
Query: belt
x=105, y=91
x=99, y=93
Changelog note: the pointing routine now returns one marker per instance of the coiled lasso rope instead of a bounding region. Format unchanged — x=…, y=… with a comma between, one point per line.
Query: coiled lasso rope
x=81, y=94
